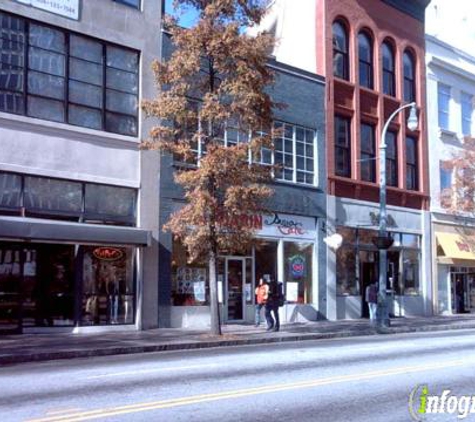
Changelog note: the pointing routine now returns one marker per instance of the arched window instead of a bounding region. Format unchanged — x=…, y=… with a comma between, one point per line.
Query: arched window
x=409, y=77
x=389, y=86
x=365, y=57
x=340, y=51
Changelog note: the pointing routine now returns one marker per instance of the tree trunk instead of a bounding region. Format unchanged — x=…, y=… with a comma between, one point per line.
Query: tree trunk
x=213, y=295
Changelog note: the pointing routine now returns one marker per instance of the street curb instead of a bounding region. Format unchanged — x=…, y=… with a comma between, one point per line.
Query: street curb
x=206, y=344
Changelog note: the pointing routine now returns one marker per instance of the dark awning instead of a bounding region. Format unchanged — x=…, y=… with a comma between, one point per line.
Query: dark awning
x=33, y=229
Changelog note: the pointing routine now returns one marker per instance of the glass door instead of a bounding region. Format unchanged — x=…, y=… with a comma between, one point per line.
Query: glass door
x=235, y=279
x=10, y=288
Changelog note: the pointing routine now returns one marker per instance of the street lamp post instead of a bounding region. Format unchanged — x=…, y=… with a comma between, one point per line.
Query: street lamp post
x=383, y=241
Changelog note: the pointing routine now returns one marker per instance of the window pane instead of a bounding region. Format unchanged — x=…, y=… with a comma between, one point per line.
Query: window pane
x=121, y=103
x=122, y=81
x=411, y=272
x=300, y=148
x=86, y=71
x=47, y=38
x=122, y=59
x=467, y=109
x=11, y=78
x=46, y=85
x=10, y=189
x=298, y=258
x=46, y=194
x=86, y=49
x=309, y=150
x=126, y=125
x=86, y=117
x=45, y=109
x=12, y=103
x=85, y=94
x=110, y=201
x=46, y=61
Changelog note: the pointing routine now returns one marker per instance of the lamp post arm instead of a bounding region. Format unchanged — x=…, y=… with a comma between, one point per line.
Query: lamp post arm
x=390, y=119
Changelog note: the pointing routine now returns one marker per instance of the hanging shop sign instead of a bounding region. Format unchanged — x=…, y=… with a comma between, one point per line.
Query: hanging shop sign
x=66, y=8
x=108, y=254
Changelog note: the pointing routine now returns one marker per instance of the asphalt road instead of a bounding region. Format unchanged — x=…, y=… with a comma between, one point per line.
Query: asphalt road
x=356, y=379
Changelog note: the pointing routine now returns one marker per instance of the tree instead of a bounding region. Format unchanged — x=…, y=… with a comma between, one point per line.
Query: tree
x=460, y=197
x=214, y=83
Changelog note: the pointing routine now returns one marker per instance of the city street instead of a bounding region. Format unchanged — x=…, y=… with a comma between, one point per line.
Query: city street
x=356, y=379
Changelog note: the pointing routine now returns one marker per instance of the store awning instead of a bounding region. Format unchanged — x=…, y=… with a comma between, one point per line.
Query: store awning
x=456, y=246
x=35, y=229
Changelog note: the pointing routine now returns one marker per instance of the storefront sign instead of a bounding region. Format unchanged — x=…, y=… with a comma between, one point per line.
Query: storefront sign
x=286, y=226
x=67, y=8
x=250, y=221
x=108, y=254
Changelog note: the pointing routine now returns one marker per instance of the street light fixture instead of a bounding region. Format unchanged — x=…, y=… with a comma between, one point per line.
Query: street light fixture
x=383, y=241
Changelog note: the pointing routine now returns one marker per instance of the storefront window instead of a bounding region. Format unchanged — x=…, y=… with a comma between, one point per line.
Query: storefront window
x=266, y=260
x=346, y=280
x=108, y=293
x=189, y=281
x=48, y=285
x=411, y=272
x=298, y=260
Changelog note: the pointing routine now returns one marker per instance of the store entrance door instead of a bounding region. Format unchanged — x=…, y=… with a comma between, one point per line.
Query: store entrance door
x=235, y=279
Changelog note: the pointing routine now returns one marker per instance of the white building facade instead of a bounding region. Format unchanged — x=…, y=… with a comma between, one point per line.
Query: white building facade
x=451, y=94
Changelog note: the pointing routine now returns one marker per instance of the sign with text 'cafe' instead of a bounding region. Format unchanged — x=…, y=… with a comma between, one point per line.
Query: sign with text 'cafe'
x=66, y=8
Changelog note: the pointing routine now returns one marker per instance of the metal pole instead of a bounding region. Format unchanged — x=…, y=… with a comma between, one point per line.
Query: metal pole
x=382, y=311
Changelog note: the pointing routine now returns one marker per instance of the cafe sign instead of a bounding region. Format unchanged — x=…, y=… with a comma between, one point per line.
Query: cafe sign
x=108, y=254
x=66, y=8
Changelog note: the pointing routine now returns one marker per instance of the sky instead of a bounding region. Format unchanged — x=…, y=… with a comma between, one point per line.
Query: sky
x=187, y=18
x=453, y=21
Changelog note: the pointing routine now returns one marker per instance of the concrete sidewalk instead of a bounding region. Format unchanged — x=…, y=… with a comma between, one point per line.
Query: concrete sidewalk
x=42, y=347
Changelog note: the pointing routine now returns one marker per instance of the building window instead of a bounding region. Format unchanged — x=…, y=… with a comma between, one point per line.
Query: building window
x=365, y=57
x=443, y=102
x=445, y=174
x=389, y=85
x=368, y=153
x=69, y=78
x=66, y=199
x=189, y=280
x=411, y=164
x=391, y=159
x=298, y=260
x=467, y=109
x=340, y=51
x=294, y=152
x=131, y=3
x=108, y=291
x=346, y=279
x=409, y=78
x=342, y=146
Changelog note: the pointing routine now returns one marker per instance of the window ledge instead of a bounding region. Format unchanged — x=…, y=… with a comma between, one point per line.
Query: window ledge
x=449, y=134
x=47, y=127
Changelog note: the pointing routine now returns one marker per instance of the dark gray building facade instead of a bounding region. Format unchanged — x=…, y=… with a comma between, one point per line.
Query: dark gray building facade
x=289, y=246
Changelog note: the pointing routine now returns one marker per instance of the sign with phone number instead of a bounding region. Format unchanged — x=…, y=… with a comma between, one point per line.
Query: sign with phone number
x=67, y=8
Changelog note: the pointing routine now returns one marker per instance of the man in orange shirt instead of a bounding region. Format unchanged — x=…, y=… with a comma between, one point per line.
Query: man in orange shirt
x=262, y=294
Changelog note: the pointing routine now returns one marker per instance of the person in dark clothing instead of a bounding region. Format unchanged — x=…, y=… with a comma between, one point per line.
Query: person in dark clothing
x=272, y=307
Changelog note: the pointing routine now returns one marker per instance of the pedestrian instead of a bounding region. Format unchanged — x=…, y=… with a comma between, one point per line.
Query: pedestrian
x=262, y=294
x=371, y=296
x=276, y=299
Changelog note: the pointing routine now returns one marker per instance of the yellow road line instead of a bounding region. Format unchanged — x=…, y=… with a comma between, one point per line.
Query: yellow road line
x=162, y=404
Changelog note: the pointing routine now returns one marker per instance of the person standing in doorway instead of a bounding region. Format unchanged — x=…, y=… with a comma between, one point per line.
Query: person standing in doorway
x=371, y=297
x=262, y=294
